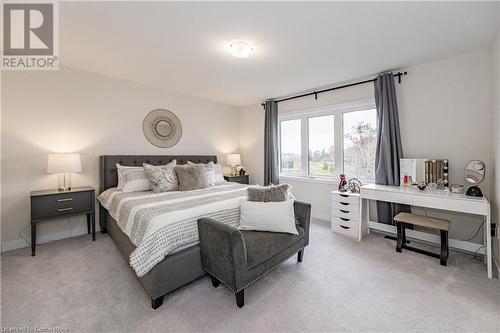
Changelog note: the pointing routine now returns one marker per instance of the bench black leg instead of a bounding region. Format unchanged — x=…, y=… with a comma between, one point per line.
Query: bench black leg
x=300, y=255
x=444, y=248
x=240, y=298
x=215, y=282
x=399, y=240
x=156, y=302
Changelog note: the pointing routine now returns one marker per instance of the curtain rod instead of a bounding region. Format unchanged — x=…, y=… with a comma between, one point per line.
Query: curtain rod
x=315, y=93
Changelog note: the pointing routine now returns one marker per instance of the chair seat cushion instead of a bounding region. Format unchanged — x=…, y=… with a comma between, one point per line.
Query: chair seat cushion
x=263, y=245
x=423, y=221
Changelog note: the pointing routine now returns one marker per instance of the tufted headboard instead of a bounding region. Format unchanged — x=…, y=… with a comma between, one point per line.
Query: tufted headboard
x=107, y=164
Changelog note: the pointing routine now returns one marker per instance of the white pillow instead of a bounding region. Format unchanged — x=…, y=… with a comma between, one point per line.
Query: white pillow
x=268, y=216
x=219, y=175
x=132, y=179
x=120, y=180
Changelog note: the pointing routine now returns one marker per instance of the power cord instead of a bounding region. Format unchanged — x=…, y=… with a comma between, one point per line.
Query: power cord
x=19, y=233
x=475, y=258
x=477, y=233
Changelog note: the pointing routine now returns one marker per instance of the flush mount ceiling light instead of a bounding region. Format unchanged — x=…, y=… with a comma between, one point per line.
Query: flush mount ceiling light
x=239, y=49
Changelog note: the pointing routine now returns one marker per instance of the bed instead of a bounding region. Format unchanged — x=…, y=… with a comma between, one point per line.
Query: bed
x=181, y=266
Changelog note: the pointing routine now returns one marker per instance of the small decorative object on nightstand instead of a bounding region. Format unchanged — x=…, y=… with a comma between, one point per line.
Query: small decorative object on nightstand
x=53, y=204
x=345, y=214
x=233, y=160
x=238, y=179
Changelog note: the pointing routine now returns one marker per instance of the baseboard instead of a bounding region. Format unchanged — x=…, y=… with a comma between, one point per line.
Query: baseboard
x=20, y=243
x=321, y=217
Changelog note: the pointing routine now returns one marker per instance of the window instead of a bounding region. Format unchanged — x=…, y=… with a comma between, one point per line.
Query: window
x=321, y=146
x=327, y=142
x=290, y=147
x=360, y=139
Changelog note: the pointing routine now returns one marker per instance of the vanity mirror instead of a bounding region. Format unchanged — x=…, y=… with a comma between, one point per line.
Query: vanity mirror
x=474, y=174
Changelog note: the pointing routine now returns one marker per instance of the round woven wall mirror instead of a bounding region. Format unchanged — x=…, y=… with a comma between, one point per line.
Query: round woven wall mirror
x=162, y=128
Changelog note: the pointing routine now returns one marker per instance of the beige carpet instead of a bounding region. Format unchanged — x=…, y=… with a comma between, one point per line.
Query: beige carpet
x=342, y=285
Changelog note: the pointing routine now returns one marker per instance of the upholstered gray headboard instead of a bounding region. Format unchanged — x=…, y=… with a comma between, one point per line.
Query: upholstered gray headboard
x=107, y=164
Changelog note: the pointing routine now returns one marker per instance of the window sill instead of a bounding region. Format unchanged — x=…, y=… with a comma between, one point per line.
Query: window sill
x=308, y=179
x=321, y=180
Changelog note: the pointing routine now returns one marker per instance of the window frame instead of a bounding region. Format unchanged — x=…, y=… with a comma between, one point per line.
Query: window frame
x=337, y=110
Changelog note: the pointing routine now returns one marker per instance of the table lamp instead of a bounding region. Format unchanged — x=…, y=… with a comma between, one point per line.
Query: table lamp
x=64, y=165
x=233, y=160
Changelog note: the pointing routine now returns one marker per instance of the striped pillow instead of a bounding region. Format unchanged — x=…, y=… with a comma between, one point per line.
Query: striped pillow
x=132, y=179
x=268, y=216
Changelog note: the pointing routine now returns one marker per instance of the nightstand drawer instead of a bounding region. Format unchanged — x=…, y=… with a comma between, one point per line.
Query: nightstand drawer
x=49, y=206
x=237, y=179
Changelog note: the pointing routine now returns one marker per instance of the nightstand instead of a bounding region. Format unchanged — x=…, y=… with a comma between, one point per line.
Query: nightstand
x=53, y=204
x=238, y=179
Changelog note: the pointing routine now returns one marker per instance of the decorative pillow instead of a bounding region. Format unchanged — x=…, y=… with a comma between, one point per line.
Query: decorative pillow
x=132, y=179
x=271, y=193
x=214, y=172
x=191, y=177
x=162, y=178
x=219, y=175
x=268, y=216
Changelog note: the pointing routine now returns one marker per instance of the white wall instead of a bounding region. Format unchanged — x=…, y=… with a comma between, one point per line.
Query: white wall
x=495, y=138
x=252, y=141
x=76, y=111
x=444, y=113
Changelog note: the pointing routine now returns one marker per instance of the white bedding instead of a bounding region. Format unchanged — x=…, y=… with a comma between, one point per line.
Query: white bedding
x=159, y=224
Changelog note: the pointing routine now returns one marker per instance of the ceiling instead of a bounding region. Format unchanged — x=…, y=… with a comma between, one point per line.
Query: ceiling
x=179, y=46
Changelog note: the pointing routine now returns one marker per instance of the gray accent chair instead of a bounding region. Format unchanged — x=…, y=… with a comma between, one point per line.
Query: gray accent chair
x=239, y=258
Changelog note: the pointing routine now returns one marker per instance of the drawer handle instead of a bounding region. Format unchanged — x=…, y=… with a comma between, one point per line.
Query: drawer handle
x=64, y=209
x=347, y=220
x=345, y=227
x=65, y=199
x=344, y=211
x=344, y=195
x=344, y=203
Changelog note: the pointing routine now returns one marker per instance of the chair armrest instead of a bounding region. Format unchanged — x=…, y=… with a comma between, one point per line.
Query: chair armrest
x=302, y=212
x=223, y=252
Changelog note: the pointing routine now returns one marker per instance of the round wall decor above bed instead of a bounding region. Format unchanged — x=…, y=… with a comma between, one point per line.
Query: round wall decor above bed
x=162, y=128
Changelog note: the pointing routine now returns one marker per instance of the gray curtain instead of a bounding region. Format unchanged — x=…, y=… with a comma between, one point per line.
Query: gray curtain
x=389, y=149
x=271, y=172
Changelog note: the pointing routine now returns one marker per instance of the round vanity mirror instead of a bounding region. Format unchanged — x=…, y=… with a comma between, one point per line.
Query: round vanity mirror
x=474, y=174
x=162, y=128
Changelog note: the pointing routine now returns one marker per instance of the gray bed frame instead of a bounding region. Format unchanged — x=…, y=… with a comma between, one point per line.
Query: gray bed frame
x=177, y=269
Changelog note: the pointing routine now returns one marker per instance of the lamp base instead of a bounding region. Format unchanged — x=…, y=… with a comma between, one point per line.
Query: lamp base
x=474, y=191
x=64, y=182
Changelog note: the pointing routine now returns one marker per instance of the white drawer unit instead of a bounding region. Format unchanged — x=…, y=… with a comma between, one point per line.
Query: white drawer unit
x=343, y=230
x=345, y=213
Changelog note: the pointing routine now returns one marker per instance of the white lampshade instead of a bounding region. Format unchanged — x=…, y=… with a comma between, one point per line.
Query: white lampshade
x=233, y=159
x=64, y=163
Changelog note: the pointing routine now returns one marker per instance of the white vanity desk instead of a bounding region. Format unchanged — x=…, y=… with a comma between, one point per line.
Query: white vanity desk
x=443, y=200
